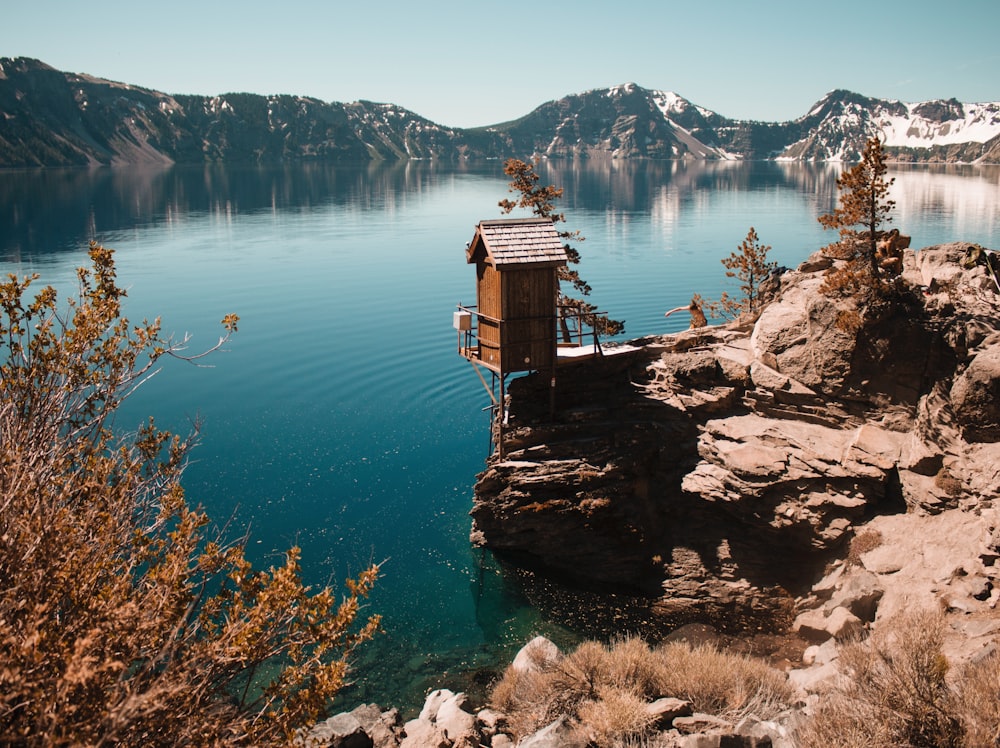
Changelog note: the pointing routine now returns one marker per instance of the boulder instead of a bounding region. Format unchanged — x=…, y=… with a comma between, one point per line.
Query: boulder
x=442, y=723
x=419, y=733
x=340, y=731
x=797, y=335
x=819, y=625
x=664, y=711
x=975, y=396
x=535, y=656
x=859, y=593
x=553, y=735
x=702, y=723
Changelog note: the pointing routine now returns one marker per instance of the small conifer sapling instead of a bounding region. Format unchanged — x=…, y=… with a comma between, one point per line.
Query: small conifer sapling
x=540, y=200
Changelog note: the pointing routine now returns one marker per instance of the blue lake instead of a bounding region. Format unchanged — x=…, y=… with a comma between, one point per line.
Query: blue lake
x=340, y=418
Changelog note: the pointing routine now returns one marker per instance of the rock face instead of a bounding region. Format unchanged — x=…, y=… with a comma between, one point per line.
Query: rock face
x=714, y=473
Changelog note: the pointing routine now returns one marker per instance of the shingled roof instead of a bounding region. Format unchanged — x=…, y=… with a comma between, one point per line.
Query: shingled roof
x=517, y=241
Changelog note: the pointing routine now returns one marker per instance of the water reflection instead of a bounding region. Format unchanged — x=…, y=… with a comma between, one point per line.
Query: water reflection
x=49, y=211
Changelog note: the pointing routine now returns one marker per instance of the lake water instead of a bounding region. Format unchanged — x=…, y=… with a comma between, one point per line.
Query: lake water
x=341, y=418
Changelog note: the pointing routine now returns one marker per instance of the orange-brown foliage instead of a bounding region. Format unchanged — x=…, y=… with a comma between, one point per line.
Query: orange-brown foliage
x=123, y=620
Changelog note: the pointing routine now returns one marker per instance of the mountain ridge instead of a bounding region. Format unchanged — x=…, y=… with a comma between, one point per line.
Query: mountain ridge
x=54, y=118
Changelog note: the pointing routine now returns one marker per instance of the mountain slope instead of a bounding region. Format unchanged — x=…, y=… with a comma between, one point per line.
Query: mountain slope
x=52, y=118
x=838, y=125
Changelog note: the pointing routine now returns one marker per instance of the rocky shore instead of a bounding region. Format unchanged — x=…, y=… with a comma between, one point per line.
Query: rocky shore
x=778, y=476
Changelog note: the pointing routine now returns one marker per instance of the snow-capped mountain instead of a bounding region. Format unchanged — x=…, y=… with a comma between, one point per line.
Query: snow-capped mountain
x=52, y=118
x=837, y=126
x=625, y=121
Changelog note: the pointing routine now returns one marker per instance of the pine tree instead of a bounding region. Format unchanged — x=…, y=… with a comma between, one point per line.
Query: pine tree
x=749, y=265
x=864, y=202
x=541, y=201
x=864, y=208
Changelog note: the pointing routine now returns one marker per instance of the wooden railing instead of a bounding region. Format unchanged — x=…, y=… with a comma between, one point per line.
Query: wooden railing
x=575, y=328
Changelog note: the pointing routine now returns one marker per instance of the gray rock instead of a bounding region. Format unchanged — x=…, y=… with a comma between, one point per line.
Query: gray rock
x=975, y=396
x=536, y=655
x=799, y=334
x=811, y=625
x=859, y=592
x=442, y=722
x=554, y=735
x=814, y=680
x=458, y=725
x=341, y=731
x=664, y=711
x=699, y=723
x=843, y=625
x=419, y=733
x=821, y=654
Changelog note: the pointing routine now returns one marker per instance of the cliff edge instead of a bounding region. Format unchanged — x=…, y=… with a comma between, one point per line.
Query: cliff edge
x=718, y=474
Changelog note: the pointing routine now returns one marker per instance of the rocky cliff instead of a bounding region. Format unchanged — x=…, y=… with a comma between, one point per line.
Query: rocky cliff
x=715, y=474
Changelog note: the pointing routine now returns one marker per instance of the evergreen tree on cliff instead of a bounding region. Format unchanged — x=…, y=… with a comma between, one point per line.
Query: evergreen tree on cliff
x=864, y=209
x=540, y=200
x=864, y=202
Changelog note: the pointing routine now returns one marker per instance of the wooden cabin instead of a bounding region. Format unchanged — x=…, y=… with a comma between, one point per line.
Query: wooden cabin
x=517, y=263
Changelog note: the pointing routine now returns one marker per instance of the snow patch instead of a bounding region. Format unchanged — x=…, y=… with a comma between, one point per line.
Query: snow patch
x=981, y=122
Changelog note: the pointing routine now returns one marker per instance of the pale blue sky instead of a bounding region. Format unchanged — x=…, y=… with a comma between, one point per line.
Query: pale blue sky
x=465, y=62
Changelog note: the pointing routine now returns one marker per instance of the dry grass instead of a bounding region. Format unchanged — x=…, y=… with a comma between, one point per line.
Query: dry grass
x=978, y=700
x=604, y=690
x=717, y=682
x=894, y=692
x=616, y=716
x=864, y=541
x=948, y=483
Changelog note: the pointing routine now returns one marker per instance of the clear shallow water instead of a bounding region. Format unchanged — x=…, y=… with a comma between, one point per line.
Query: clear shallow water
x=340, y=418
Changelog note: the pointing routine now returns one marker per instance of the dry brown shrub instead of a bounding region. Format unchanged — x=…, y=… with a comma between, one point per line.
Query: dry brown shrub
x=631, y=665
x=616, y=716
x=528, y=698
x=978, y=700
x=722, y=683
x=948, y=483
x=603, y=690
x=865, y=541
x=894, y=690
x=123, y=619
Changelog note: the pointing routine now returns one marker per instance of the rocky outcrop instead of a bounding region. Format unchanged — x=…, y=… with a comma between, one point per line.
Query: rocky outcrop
x=777, y=475
x=716, y=473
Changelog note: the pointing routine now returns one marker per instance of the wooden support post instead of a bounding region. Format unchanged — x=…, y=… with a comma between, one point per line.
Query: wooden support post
x=501, y=416
x=552, y=395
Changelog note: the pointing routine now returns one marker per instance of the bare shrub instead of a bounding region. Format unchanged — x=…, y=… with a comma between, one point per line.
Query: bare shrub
x=948, y=483
x=632, y=665
x=893, y=691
